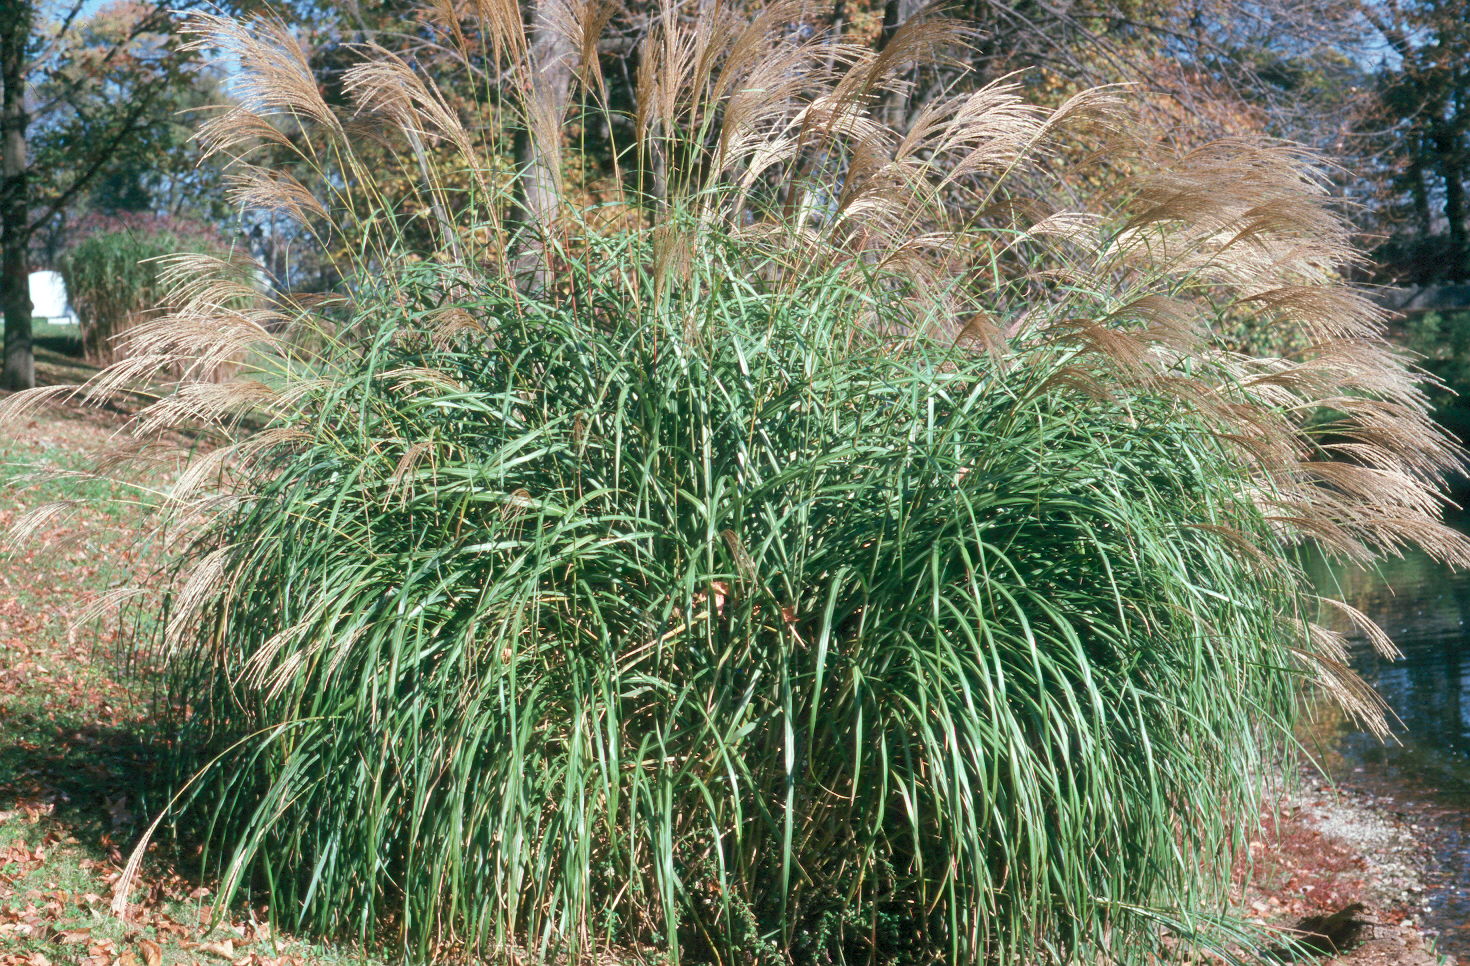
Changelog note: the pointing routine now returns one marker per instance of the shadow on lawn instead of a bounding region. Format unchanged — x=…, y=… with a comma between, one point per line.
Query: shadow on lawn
x=86, y=776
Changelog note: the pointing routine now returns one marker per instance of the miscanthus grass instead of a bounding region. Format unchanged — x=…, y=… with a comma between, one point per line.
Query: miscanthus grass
x=829, y=549
x=113, y=278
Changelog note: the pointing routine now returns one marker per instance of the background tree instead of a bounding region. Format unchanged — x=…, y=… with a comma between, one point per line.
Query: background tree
x=89, y=92
x=1424, y=126
x=1289, y=68
x=155, y=171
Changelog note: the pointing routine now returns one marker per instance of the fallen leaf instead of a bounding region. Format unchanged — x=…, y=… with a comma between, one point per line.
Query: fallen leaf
x=152, y=952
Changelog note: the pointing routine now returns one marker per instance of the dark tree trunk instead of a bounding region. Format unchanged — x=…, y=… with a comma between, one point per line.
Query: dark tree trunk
x=1419, y=191
x=1452, y=168
x=1459, y=168
x=892, y=18
x=15, y=29
x=893, y=108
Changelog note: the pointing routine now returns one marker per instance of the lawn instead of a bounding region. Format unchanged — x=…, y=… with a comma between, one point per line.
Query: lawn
x=62, y=341
x=76, y=748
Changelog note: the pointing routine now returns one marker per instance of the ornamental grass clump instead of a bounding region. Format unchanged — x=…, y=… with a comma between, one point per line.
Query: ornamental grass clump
x=829, y=548
x=581, y=632
x=113, y=277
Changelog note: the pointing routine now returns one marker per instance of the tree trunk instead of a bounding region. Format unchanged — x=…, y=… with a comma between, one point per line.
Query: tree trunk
x=1419, y=191
x=1452, y=168
x=1459, y=168
x=15, y=293
x=552, y=59
x=893, y=105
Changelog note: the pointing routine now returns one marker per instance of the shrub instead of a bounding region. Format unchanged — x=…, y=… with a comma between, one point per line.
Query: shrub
x=1442, y=339
x=112, y=276
x=830, y=553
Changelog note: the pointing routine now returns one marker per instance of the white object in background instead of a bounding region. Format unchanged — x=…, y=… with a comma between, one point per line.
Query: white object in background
x=48, y=298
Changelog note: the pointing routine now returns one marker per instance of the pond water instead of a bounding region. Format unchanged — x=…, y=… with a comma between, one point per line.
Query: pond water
x=1425, y=608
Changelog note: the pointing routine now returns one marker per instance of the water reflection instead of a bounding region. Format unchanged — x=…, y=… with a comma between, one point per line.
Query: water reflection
x=1425, y=608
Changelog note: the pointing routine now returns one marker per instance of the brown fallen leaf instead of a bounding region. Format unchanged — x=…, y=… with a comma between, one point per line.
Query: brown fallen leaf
x=166, y=926
x=152, y=952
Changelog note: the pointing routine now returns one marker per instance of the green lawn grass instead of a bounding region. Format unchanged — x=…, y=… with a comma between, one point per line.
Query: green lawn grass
x=63, y=340
x=78, y=750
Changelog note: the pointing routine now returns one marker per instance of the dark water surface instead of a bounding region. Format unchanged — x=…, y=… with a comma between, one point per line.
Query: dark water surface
x=1425, y=608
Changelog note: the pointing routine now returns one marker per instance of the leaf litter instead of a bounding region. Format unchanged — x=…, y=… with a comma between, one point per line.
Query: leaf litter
x=75, y=753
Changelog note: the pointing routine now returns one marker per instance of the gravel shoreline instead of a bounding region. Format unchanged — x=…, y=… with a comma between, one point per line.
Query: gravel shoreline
x=1327, y=847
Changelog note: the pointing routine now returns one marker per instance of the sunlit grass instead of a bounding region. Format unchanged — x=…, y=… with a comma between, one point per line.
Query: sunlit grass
x=698, y=629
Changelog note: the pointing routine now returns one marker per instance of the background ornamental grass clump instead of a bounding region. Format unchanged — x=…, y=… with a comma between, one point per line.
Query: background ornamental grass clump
x=114, y=277
x=830, y=547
